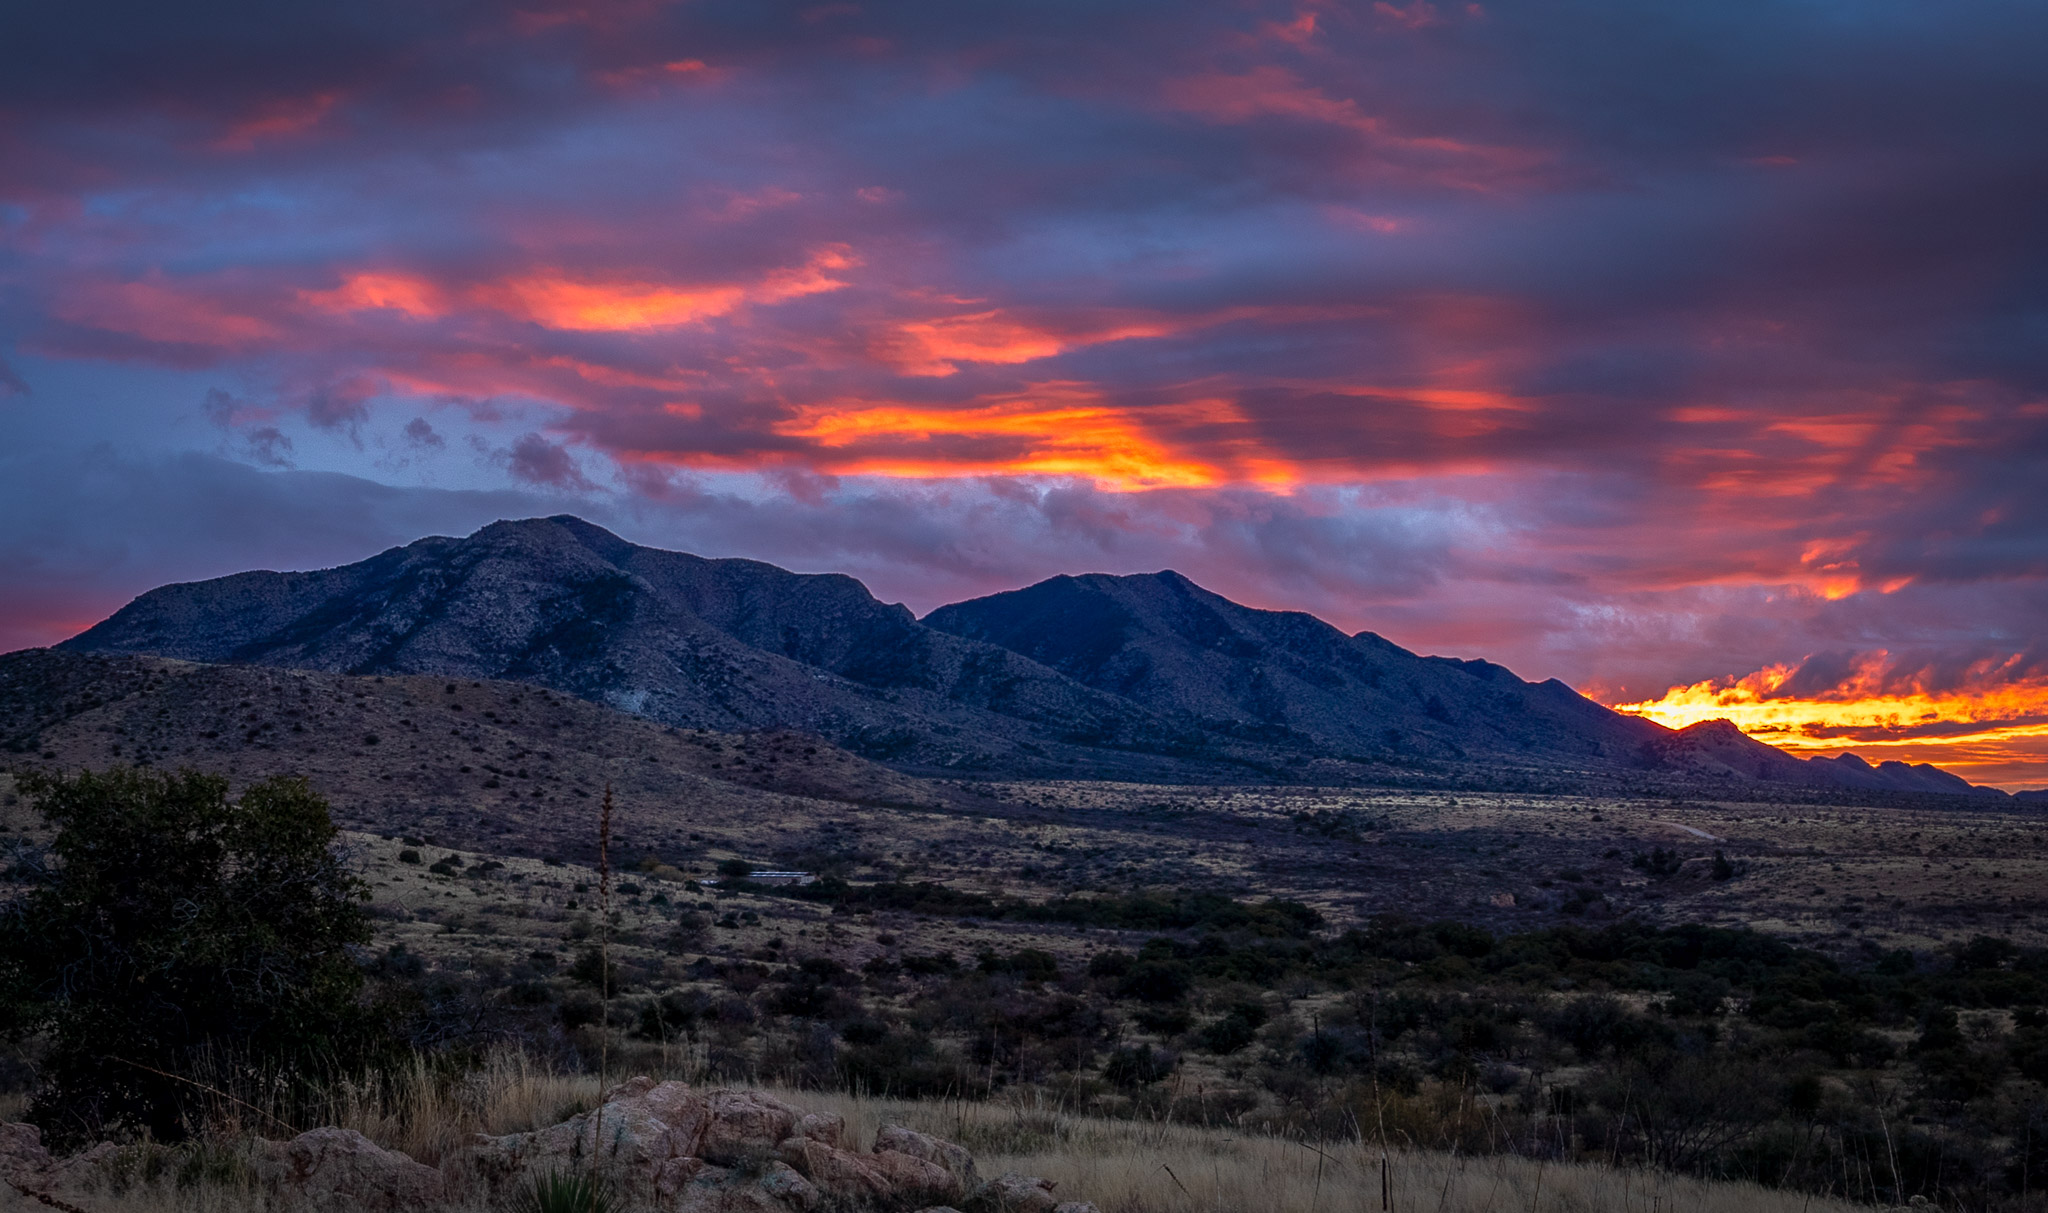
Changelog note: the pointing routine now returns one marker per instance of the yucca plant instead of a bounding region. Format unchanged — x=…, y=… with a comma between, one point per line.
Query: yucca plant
x=555, y=1192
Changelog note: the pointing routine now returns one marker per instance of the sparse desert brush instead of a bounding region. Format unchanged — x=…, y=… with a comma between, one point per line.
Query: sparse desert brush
x=1131, y=1166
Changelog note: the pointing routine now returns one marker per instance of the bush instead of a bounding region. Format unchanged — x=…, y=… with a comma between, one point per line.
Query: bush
x=1137, y=1065
x=216, y=931
x=1030, y=964
x=1156, y=981
x=1237, y=1029
x=590, y=969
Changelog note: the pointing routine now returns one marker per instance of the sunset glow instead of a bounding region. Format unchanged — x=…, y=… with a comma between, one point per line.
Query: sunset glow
x=1059, y=430
x=1469, y=325
x=1994, y=715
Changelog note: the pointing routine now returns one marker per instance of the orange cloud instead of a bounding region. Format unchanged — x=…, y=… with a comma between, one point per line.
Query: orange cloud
x=585, y=304
x=581, y=306
x=1995, y=721
x=1055, y=429
x=377, y=292
x=935, y=347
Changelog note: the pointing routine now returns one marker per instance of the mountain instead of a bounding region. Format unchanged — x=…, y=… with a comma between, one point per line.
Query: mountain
x=1140, y=677
x=1177, y=649
x=721, y=644
x=471, y=762
x=1718, y=749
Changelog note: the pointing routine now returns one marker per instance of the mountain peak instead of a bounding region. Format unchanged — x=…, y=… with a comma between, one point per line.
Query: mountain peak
x=1130, y=676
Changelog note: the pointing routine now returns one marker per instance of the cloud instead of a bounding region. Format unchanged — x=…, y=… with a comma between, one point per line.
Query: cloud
x=1986, y=719
x=270, y=447
x=1471, y=326
x=535, y=460
x=87, y=530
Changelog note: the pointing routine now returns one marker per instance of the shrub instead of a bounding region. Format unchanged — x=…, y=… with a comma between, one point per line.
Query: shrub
x=1170, y=1020
x=1137, y=1065
x=1156, y=981
x=216, y=929
x=1237, y=1029
x=590, y=969
x=930, y=966
x=1030, y=964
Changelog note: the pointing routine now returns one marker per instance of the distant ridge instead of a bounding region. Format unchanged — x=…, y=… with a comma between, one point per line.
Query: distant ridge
x=1138, y=677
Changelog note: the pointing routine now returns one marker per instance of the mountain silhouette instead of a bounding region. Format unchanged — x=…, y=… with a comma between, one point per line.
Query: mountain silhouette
x=1139, y=677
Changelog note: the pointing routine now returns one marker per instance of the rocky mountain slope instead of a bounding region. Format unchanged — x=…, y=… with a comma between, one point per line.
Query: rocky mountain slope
x=1179, y=650
x=498, y=764
x=1144, y=677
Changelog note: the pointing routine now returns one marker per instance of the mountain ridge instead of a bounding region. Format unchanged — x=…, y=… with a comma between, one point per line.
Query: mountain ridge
x=1146, y=676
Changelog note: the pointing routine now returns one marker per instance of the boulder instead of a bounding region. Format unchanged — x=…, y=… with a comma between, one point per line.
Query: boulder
x=643, y=1137
x=744, y=1126
x=1075, y=1206
x=776, y=1189
x=22, y=1154
x=1013, y=1193
x=953, y=1158
x=906, y=1176
x=886, y=1176
x=835, y=1171
x=783, y=1183
x=343, y=1171
x=828, y=1127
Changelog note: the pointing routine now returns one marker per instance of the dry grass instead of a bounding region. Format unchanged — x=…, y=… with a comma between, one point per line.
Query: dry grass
x=1137, y=1167
x=1123, y=1166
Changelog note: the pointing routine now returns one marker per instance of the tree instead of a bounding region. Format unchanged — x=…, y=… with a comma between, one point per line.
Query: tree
x=168, y=928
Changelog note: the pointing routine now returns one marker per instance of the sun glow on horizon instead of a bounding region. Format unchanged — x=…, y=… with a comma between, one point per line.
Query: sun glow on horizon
x=1994, y=717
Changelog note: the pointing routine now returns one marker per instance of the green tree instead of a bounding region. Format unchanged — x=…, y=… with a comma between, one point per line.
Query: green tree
x=167, y=928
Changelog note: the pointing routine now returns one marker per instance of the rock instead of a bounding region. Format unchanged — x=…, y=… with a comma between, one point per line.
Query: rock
x=886, y=1176
x=738, y=1151
x=1075, y=1206
x=341, y=1170
x=745, y=1126
x=836, y=1171
x=23, y=1156
x=784, y=1184
x=953, y=1158
x=671, y=1175
x=1013, y=1193
x=907, y=1177
x=777, y=1189
x=645, y=1139
x=827, y=1127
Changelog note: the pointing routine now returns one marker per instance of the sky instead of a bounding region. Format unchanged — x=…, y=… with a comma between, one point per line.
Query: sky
x=1695, y=354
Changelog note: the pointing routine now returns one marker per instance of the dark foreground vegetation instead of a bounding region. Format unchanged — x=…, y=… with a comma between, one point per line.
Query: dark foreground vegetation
x=170, y=946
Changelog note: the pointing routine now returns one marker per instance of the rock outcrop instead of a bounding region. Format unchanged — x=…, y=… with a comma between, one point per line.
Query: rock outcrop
x=27, y=1164
x=341, y=1171
x=727, y=1150
x=662, y=1145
